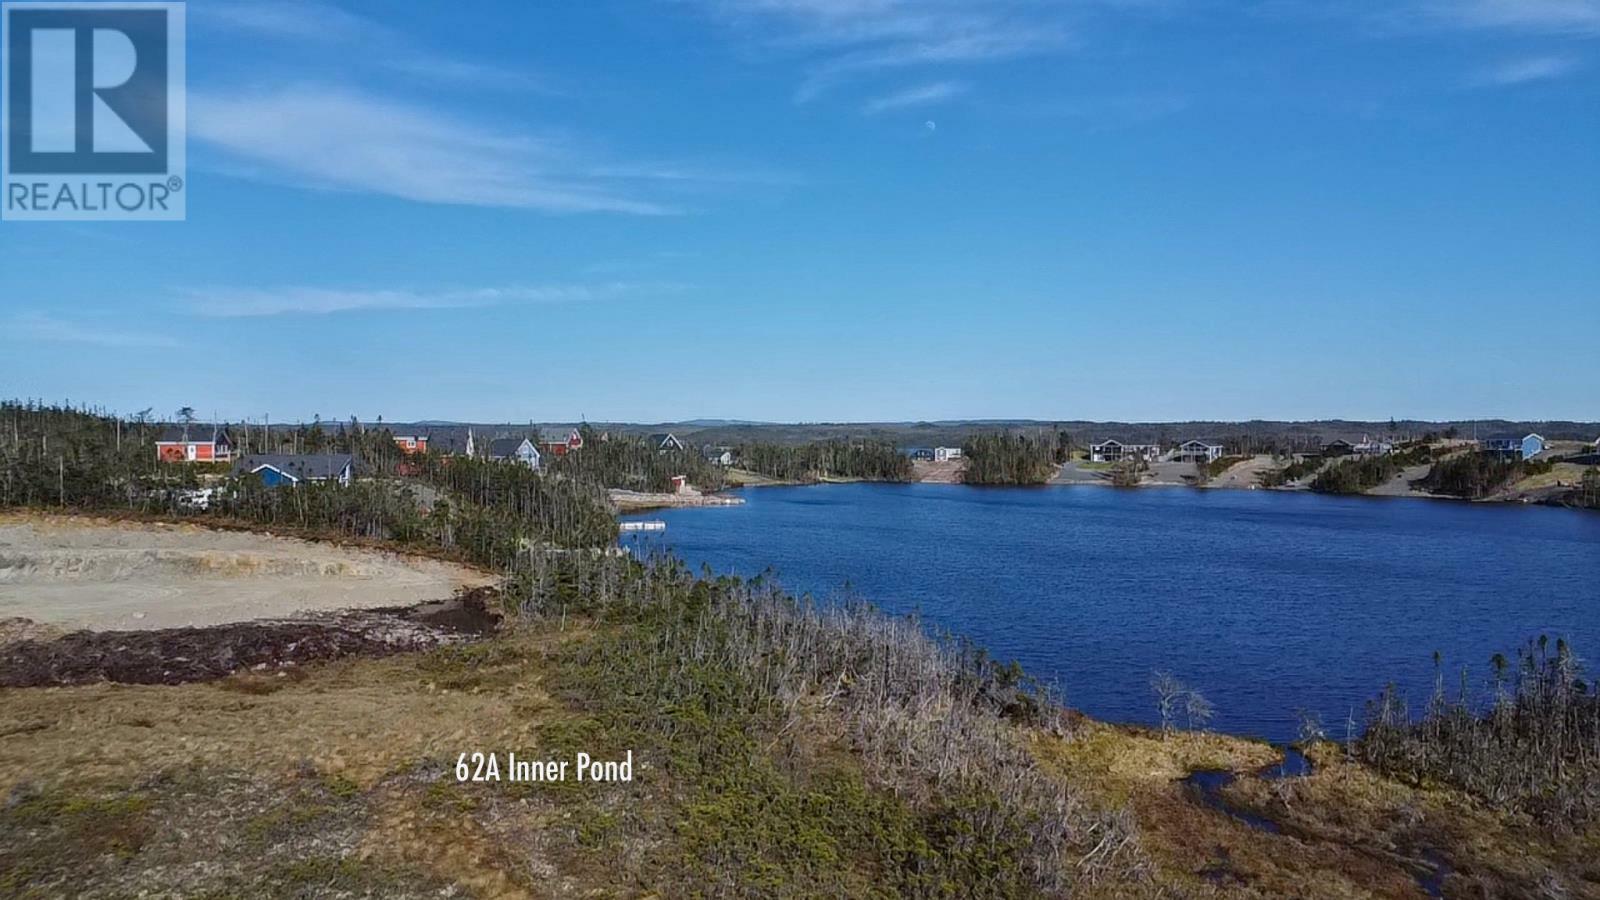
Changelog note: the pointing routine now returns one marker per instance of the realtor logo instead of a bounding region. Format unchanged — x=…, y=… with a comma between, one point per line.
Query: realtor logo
x=94, y=110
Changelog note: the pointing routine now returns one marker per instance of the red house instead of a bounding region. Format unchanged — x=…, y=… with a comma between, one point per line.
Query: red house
x=194, y=443
x=411, y=443
x=559, y=443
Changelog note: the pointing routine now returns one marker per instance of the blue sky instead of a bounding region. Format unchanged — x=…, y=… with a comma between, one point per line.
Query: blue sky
x=851, y=210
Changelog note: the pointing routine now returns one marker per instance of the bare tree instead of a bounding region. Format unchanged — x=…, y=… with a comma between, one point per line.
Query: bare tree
x=1173, y=696
x=1169, y=693
x=1197, y=710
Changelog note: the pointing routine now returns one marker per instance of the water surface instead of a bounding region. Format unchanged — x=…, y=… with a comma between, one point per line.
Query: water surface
x=1268, y=602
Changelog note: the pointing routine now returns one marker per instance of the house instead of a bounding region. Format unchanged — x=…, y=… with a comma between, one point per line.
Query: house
x=410, y=443
x=946, y=454
x=679, y=484
x=1198, y=451
x=194, y=443
x=276, y=469
x=664, y=442
x=1521, y=447
x=922, y=453
x=1339, y=447
x=1111, y=450
x=515, y=449
x=1372, y=447
x=559, y=442
x=718, y=456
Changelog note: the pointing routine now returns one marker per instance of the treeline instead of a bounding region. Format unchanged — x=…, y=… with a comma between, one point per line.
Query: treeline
x=866, y=460
x=1012, y=459
x=487, y=513
x=1355, y=474
x=546, y=508
x=1588, y=492
x=630, y=463
x=1477, y=474
x=1536, y=746
x=1294, y=470
x=54, y=456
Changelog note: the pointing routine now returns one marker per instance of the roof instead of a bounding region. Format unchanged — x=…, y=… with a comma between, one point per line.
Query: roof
x=301, y=466
x=507, y=446
x=555, y=435
x=1204, y=442
x=449, y=444
x=661, y=437
x=199, y=432
x=1511, y=436
x=715, y=452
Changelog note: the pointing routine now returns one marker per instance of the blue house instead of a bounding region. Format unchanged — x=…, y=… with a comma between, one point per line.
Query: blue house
x=275, y=469
x=1521, y=447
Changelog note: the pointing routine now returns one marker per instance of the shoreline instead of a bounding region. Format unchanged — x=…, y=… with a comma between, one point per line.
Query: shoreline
x=1150, y=485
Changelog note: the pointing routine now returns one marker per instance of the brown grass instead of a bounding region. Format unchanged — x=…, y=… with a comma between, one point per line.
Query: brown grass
x=358, y=718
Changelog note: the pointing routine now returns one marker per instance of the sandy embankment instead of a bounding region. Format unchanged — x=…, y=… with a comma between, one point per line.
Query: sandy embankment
x=947, y=472
x=635, y=501
x=92, y=573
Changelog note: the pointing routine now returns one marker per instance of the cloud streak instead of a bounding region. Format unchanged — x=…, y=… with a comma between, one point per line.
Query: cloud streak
x=1524, y=71
x=1555, y=16
x=240, y=302
x=322, y=25
x=335, y=138
x=50, y=329
x=848, y=38
x=920, y=95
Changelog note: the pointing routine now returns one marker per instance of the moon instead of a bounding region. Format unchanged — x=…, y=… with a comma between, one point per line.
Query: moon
x=931, y=125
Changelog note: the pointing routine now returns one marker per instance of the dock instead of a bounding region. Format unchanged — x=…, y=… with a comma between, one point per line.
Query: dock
x=656, y=525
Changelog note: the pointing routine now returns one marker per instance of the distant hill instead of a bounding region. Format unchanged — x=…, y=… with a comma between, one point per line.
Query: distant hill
x=1257, y=433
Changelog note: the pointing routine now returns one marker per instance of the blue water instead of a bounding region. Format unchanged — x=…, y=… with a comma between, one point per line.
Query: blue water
x=1267, y=602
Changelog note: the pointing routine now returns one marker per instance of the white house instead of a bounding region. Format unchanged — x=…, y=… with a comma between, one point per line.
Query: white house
x=945, y=454
x=1373, y=447
x=718, y=456
x=519, y=450
x=1198, y=451
x=1110, y=451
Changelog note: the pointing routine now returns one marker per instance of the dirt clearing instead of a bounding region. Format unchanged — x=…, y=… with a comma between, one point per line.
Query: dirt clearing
x=93, y=573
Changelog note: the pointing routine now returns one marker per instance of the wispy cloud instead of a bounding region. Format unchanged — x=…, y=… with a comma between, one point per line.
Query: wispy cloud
x=323, y=25
x=1560, y=16
x=40, y=327
x=920, y=95
x=335, y=138
x=846, y=38
x=241, y=302
x=1523, y=71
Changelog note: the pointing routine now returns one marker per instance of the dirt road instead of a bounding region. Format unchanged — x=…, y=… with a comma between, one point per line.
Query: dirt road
x=92, y=573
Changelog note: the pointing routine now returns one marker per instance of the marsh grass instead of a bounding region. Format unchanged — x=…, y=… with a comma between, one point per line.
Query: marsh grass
x=1535, y=745
x=831, y=747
